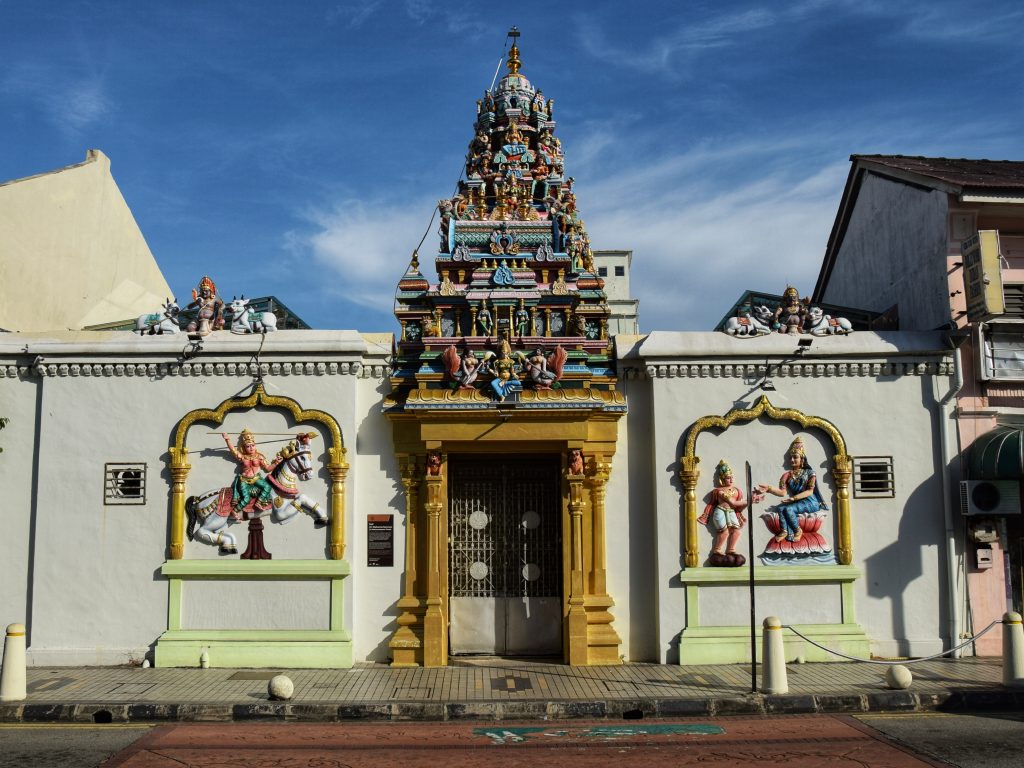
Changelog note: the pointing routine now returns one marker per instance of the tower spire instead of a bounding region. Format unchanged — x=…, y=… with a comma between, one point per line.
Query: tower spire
x=514, y=63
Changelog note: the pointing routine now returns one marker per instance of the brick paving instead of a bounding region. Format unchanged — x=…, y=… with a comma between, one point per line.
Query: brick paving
x=498, y=689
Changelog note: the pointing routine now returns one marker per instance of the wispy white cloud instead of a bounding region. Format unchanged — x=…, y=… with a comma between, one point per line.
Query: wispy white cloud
x=366, y=246
x=71, y=103
x=353, y=14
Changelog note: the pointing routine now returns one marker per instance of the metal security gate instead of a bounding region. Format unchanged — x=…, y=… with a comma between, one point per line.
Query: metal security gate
x=505, y=569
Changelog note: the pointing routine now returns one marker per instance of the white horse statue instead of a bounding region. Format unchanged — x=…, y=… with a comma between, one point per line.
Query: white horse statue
x=159, y=323
x=758, y=323
x=820, y=324
x=212, y=510
x=244, y=320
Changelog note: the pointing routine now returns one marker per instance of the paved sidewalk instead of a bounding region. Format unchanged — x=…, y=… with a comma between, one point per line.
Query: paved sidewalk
x=497, y=689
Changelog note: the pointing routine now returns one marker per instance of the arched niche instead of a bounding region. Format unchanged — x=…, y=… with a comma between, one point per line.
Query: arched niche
x=689, y=471
x=336, y=464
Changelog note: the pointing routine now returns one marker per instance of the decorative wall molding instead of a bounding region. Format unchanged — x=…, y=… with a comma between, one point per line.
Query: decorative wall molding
x=195, y=368
x=786, y=370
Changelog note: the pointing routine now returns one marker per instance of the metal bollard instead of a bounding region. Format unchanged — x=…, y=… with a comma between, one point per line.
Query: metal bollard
x=12, y=676
x=773, y=657
x=1013, y=650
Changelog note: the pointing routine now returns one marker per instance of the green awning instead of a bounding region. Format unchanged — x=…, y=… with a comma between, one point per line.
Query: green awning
x=998, y=454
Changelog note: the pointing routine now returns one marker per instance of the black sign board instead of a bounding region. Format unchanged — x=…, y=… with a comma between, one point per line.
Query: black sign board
x=380, y=541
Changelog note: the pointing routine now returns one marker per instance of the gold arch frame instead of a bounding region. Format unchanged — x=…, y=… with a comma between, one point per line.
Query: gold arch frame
x=689, y=471
x=336, y=464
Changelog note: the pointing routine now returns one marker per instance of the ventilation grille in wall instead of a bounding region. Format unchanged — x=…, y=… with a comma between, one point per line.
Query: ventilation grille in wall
x=124, y=483
x=873, y=477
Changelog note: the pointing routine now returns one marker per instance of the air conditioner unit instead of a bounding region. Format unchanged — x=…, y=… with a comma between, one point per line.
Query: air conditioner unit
x=990, y=497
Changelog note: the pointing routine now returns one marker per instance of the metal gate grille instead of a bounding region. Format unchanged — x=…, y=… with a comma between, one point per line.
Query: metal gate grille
x=504, y=527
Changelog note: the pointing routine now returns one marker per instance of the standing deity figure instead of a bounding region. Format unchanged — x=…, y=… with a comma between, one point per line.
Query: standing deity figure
x=724, y=515
x=484, y=320
x=797, y=519
x=791, y=314
x=522, y=319
x=211, y=308
x=251, y=486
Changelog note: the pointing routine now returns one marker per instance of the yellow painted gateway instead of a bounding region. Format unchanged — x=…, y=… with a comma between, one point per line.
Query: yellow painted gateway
x=505, y=408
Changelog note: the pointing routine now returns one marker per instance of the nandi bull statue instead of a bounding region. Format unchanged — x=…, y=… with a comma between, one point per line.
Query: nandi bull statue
x=159, y=323
x=820, y=324
x=255, y=494
x=245, y=320
x=757, y=323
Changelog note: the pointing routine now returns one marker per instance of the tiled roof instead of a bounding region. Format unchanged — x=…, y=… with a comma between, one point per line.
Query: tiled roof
x=991, y=174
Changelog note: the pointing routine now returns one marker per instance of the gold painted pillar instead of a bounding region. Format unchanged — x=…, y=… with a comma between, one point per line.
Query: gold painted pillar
x=576, y=621
x=435, y=640
x=602, y=640
x=407, y=643
x=841, y=471
x=690, y=474
x=338, y=470
x=179, y=473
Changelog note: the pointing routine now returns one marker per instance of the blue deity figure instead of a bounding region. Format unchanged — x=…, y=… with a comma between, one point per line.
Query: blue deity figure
x=800, y=495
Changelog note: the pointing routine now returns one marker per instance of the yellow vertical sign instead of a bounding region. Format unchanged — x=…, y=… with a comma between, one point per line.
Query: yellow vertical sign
x=983, y=281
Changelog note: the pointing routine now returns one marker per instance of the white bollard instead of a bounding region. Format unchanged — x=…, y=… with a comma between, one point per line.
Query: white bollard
x=12, y=677
x=773, y=658
x=1013, y=650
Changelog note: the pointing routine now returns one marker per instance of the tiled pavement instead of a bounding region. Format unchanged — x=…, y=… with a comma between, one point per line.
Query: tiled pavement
x=497, y=689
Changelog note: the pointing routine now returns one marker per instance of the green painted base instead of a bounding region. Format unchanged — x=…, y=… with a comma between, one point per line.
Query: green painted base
x=711, y=644
x=731, y=645
x=279, y=649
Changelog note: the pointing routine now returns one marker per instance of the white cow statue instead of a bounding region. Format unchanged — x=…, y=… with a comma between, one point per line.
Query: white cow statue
x=158, y=323
x=244, y=320
x=820, y=324
x=758, y=323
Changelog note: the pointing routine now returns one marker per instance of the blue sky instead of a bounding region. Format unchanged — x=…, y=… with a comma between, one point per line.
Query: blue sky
x=299, y=149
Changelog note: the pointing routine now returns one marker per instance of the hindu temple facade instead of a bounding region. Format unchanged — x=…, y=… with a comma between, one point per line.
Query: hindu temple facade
x=505, y=475
x=505, y=390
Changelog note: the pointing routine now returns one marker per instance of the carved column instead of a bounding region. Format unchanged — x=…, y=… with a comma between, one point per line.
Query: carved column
x=472, y=321
x=435, y=643
x=690, y=474
x=407, y=643
x=437, y=322
x=841, y=471
x=598, y=493
x=338, y=469
x=577, y=618
x=547, y=322
x=179, y=473
x=533, y=321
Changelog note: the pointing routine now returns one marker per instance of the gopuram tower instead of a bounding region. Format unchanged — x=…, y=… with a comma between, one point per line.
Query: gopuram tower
x=505, y=408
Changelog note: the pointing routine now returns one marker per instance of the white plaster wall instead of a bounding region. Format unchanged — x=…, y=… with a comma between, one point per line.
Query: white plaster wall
x=900, y=600
x=894, y=251
x=375, y=591
x=18, y=440
x=97, y=595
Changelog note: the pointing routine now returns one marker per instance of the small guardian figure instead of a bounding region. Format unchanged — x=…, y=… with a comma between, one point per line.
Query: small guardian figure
x=724, y=516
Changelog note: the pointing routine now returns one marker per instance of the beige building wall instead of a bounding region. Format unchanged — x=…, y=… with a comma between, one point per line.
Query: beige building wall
x=73, y=222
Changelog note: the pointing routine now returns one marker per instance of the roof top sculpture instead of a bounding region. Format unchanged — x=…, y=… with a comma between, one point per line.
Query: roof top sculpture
x=516, y=276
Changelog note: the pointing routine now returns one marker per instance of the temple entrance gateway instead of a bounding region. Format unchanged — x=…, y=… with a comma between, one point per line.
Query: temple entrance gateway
x=505, y=566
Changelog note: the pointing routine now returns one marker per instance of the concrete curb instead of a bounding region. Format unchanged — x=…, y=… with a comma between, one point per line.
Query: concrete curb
x=616, y=709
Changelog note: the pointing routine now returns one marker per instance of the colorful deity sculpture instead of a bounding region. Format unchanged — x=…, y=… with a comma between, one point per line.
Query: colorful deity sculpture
x=522, y=320
x=576, y=461
x=545, y=370
x=210, y=316
x=251, y=487
x=724, y=516
x=254, y=494
x=463, y=370
x=797, y=519
x=506, y=373
x=792, y=313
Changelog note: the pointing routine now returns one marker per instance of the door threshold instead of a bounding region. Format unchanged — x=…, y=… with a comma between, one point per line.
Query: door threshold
x=474, y=660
